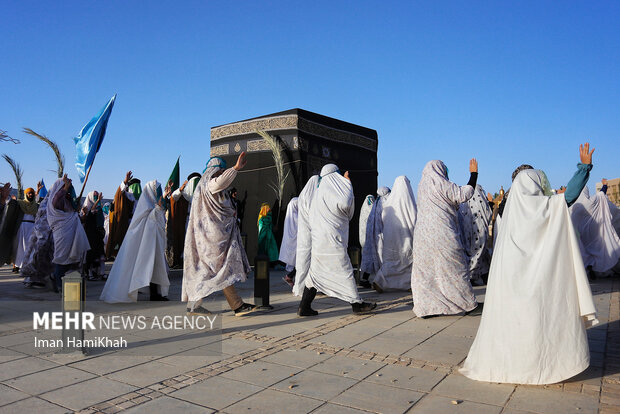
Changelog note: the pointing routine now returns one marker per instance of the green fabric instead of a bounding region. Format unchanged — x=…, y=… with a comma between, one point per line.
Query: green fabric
x=266, y=241
x=136, y=190
x=174, y=176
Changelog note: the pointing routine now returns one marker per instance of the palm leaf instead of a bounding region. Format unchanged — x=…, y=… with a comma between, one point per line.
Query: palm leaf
x=60, y=159
x=17, y=170
x=277, y=151
x=4, y=137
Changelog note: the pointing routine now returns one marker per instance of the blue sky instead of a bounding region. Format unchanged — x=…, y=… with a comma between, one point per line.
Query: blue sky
x=506, y=82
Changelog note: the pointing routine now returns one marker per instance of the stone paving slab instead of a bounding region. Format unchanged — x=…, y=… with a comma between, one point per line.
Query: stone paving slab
x=434, y=404
x=457, y=386
x=48, y=380
x=315, y=385
x=87, y=393
x=274, y=402
x=168, y=405
x=297, y=358
x=9, y=395
x=24, y=366
x=348, y=367
x=216, y=392
x=552, y=402
x=378, y=398
x=409, y=378
x=261, y=373
x=32, y=405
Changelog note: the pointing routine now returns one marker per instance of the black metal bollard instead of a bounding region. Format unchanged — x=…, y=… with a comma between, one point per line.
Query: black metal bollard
x=261, y=282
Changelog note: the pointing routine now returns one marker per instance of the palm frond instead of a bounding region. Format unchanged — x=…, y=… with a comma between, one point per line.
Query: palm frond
x=5, y=137
x=60, y=159
x=277, y=151
x=17, y=170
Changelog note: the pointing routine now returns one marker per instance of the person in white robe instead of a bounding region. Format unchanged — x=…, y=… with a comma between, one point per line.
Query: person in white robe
x=388, y=255
x=331, y=272
x=214, y=257
x=474, y=219
x=304, y=235
x=29, y=207
x=365, y=210
x=599, y=242
x=440, y=273
x=70, y=240
x=288, y=247
x=141, y=260
x=538, y=300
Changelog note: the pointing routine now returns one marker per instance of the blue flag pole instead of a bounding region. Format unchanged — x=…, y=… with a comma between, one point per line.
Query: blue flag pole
x=89, y=141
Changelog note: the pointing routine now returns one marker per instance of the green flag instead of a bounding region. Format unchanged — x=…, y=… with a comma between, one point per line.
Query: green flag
x=174, y=176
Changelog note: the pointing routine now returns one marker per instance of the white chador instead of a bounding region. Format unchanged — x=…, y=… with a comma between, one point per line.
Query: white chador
x=141, y=259
x=288, y=248
x=538, y=299
x=373, y=231
x=304, y=236
x=390, y=237
x=600, y=244
x=369, y=200
x=70, y=240
x=330, y=212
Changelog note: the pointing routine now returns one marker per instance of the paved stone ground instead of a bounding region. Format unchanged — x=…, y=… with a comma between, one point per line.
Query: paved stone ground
x=274, y=362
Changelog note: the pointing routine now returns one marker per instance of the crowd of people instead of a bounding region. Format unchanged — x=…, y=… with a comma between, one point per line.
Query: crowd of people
x=533, y=248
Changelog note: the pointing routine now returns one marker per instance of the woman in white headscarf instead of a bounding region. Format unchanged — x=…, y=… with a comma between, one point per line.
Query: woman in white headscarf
x=141, y=260
x=330, y=272
x=214, y=257
x=288, y=247
x=600, y=244
x=440, y=277
x=474, y=220
x=390, y=230
x=532, y=328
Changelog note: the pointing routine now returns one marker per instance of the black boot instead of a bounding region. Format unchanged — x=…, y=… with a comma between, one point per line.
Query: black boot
x=364, y=281
x=363, y=307
x=155, y=296
x=305, y=308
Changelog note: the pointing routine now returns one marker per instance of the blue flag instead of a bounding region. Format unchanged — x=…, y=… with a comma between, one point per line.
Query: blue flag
x=89, y=139
x=43, y=191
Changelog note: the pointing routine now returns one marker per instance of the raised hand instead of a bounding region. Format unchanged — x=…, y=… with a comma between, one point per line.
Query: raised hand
x=604, y=181
x=585, y=155
x=241, y=161
x=128, y=177
x=67, y=182
x=183, y=186
x=473, y=166
x=346, y=175
x=39, y=187
x=168, y=189
x=489, y=197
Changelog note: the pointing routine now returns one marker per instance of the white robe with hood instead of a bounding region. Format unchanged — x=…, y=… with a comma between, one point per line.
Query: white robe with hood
x=288, y=248
x=304, y=235
x=592, y=218
x=141, y=259
x=330, y=212
x=538, y=299
x=397, y=214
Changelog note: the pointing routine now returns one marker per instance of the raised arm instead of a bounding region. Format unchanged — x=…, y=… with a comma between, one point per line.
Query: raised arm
x=580, y=178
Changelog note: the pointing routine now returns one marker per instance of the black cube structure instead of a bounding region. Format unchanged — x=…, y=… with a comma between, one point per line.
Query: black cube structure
x=310, y=141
